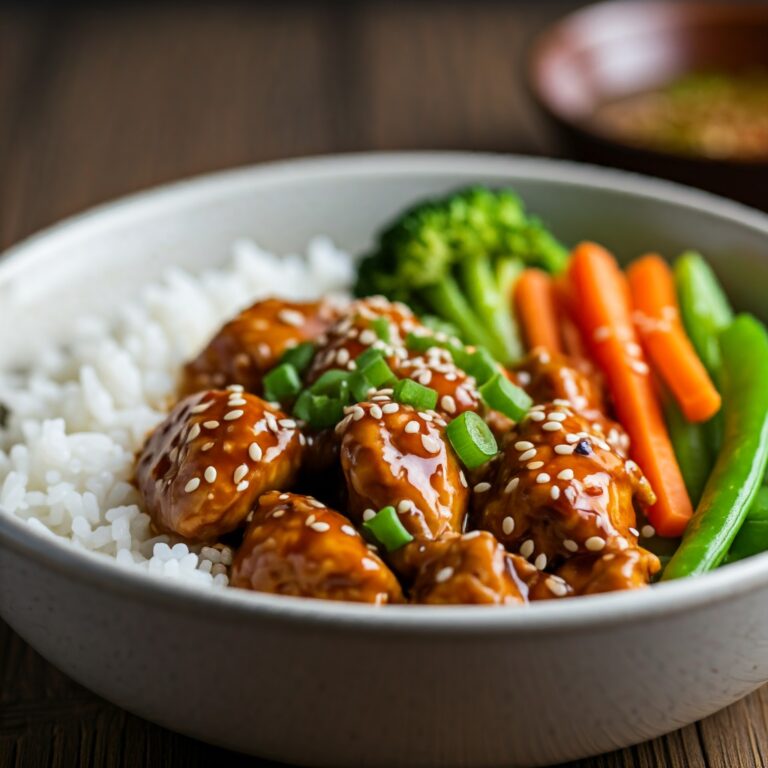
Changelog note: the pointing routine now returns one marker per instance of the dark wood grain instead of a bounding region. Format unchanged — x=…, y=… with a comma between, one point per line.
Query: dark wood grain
x=96, y=103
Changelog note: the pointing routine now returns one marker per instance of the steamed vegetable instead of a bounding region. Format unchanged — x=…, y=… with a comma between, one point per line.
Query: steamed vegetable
x=738, y=473
x=457, y=258
x=536, y=305
x=601, y=294
x=652, y=289
x=752, y=538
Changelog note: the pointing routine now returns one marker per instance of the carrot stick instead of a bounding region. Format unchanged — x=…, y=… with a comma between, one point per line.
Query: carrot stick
x=602, y=297
x=657, y=319
x=537, y=310
x=571, y=335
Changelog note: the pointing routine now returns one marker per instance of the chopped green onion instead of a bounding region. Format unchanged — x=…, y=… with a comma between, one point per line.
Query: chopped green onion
x=378, y=372
x=472, y=440
x=319, y=411
x=438, y=325
x=281, y=383
x=360, y=386
x=367, y=357
x=412, y=393
x=386, y=529
x=502, y=395
x=334, y=383
x=482, y=365
x=381, y=328
x=299, y=356
x=421, y=342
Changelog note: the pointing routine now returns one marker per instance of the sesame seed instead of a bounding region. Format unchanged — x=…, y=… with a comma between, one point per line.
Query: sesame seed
x=207, y=446
x=210, y=474
x=471, y=535
x=211, y=424
x=406, y=505
x=235, y=388
x=556, y=587
x=412, y=426
x=320, y=527
x=556, y=416
x=536, y=416
x=555, y=492
x=232, y=415
x=634, y=531
x=565, y=474
x=342, y=356
x=564, y=450
x=482, y=487
x=570, y=545
x=194, y=431
x=310, y=520
x=541, y=561
x=291, y=317
x=463, y=479
x=639, y=367
x=201, y=407
x=242, y=486
x=630, y=465
x=508, y=525
x=236, y=400
x=315, y=503
x=369, y=565
x=647, y=531
x=535, y=465
x=561, y=402
x=254, y=452
x=390, y=408
x=367, y=337
x=357, y=413
x=542, y=478
x=431, y=444
x=512, y=484
x=526, y=548
x=287, y=423
x=278, y=513
x=633, y=349
x=375, y=411
x=349, y=530
x=240, y=473
x=571, y=438
x=425, y=377
x=426, y=416
x=369, y=514
x=594, y=543
x=192, y=485
x=448, y=404
x=529, y=454
x=552, y=426
x=523, y=445
x=444, y=574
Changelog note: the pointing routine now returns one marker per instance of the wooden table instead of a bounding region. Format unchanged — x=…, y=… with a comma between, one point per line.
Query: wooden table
x=99, y=102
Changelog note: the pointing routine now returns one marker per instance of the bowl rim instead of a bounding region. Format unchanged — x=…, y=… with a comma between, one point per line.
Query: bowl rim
x=546, y=41
x=663, y=600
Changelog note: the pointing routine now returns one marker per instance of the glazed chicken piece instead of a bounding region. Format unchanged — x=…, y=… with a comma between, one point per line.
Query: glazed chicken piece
x=472, y=569
x=295, y=545
x=560, y=490
x=202, y=469
x=252, y=343
x=612, y=572
x=393, y=455
x=355, y=331
x=456, y=390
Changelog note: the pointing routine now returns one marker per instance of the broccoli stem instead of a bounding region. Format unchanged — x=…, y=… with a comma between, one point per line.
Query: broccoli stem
x=447, y=300
x=492, y=305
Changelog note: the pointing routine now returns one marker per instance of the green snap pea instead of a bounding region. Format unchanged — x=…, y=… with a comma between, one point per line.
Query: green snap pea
x=752, y=537
x=738, y=472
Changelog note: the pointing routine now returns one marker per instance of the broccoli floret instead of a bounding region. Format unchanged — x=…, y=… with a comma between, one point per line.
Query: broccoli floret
x=457, y=258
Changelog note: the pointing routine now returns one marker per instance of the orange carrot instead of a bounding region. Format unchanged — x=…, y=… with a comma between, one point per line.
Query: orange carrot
x=573, y=344
x=654, y=299
x=537, y=310
x=600, y=290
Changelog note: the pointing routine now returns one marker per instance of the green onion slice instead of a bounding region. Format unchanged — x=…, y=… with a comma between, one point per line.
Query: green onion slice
x=319, y=411
x=281, y=383
x=482, y=365
x=366, y=358
x=334, y=383
x=386, y=529
x=381, y=328
x=360, y=386
x=377, y=372
x=412, y=393
x=502, y=395
x=299, y=356
x=472, y=440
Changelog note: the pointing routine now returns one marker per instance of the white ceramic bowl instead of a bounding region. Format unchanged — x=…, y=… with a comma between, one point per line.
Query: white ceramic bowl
x=324, y=683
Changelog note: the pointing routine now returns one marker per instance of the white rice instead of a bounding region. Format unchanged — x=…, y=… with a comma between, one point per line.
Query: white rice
x=80, y=414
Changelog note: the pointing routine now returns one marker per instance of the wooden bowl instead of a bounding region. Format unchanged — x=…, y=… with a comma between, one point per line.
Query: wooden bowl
x=614, y=49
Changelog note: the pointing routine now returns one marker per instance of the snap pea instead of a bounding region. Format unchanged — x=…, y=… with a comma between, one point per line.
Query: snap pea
x=740, y=466
x=691, y=448
x=752, y=537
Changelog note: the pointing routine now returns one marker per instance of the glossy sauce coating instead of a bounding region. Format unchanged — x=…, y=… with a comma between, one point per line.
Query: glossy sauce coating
x=295, y=545
x=592, y=574
x=392, y=454
x=560, y=489
x=202, y=469
x=251, y=344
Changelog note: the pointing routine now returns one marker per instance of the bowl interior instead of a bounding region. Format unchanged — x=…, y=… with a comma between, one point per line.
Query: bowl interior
x=614, y=49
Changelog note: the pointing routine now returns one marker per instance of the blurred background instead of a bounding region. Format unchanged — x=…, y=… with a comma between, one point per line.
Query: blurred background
x=98, y=100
